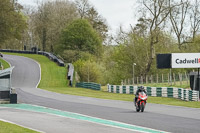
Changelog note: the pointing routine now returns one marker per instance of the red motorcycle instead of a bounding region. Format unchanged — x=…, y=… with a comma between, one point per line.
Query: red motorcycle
x=141, y=101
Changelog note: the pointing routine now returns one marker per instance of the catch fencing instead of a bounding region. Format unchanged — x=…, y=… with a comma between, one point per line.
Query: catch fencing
x=172, y=92
x=170, y=79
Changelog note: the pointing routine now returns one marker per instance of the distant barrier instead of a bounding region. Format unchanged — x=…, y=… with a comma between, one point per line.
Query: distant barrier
x=180, y=93
x=47, y=54
x=89, y=85
x=70, y=73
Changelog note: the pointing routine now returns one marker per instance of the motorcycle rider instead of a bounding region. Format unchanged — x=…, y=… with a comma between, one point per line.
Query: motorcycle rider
x=140, y=89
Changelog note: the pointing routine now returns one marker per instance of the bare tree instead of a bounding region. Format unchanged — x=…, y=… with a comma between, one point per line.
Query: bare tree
x=83, y=7
x=158, y=12
x=195, y=18
x=178, y=13
x=87, y=11
x=50, y=19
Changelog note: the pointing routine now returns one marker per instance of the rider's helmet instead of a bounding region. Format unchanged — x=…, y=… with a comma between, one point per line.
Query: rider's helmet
x=141, y=88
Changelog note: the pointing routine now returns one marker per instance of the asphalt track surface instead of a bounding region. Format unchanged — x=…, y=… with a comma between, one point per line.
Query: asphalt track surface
x=25, y=78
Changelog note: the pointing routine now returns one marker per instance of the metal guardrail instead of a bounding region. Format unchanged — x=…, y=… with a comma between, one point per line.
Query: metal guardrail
x=172, y=92
x=89, y=85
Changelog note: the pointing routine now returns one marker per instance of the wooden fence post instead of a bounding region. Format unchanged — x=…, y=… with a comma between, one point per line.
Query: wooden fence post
x=141, y=79
x=157, y=78
x=174, y=78
x=180, y=78
x=147, y=79
x=168, y=78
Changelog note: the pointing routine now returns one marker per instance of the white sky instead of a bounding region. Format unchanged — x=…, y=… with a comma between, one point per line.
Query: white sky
x=116, y=12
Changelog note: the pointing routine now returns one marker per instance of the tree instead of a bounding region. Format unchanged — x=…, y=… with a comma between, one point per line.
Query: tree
x=158, y=12
x=83, y=6
x=12, y=22
x=177, y=17
x=87, y=11
x=50, y=19
x=195, y=19
x=79, y=35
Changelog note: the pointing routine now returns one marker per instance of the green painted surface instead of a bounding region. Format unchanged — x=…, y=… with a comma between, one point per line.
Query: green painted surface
x=170, y=92
x=117, y=89
x=131, y=90
x=149, y=91
x=112, y=88
x=159, y=92
x=80, y=117
x=124, y=89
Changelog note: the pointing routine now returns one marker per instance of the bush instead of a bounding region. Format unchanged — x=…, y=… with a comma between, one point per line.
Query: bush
x=88, y=71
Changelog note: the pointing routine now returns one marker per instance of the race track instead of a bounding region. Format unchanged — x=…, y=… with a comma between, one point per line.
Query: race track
x=25, y=78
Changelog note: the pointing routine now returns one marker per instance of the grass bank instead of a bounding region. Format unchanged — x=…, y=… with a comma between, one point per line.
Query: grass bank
x=54, y=79
x=12, y=128
x=4, y=63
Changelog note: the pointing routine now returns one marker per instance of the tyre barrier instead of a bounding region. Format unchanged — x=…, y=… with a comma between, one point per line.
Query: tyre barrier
x=89, y=85
x=171, y=92
x=47, y=54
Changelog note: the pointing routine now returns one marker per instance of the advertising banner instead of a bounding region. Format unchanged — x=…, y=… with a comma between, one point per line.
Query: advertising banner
x=185, y=60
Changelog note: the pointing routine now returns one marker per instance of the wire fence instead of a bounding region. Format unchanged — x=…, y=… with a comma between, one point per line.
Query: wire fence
x=170, y=79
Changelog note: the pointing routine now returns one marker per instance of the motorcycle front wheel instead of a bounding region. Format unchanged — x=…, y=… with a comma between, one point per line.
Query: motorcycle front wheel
x=142, y=107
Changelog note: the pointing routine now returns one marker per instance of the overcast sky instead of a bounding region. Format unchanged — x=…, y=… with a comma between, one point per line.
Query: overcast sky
x=116, y=12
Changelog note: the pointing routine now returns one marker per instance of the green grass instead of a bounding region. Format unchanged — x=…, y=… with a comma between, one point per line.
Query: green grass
x=54, y=79
x=4, y=63
x=12, y=128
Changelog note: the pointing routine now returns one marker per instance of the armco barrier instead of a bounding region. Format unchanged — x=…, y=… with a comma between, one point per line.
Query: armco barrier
x=172, y=92
x=89, y=85
x=47, y=54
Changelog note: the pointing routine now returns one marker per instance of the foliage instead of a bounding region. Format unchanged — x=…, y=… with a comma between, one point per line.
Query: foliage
x=88, y=71
x=74, y=55
x=47, y=23
x=80, y=35
x=87, y=11
x=12, y=22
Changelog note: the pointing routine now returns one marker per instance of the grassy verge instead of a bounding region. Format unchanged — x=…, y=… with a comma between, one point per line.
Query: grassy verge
x=11, y=128
x=54, y=79
x=4, y=63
